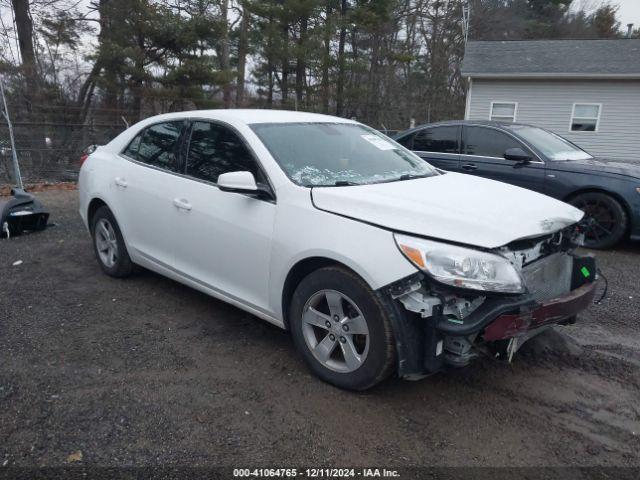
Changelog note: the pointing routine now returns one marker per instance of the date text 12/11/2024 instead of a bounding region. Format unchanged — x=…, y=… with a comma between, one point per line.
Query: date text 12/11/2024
x=315, y=473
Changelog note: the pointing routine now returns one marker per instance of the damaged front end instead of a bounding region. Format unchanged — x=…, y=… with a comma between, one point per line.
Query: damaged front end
x=444, y=321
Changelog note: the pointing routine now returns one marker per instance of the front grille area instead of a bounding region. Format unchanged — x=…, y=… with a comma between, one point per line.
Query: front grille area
x=549, y=277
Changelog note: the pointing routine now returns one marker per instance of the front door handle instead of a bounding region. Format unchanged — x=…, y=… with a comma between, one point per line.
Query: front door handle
x=120, y=182
x=182, y=204
x=470, y=166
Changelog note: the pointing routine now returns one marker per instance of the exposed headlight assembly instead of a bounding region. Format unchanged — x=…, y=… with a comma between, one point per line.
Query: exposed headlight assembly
x=461, y=267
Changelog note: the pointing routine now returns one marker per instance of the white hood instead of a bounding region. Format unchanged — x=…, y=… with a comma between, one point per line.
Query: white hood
x=454, y=207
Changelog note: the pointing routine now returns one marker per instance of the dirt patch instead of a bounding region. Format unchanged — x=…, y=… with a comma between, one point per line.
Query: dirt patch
x=145, y=371
x=5, y=190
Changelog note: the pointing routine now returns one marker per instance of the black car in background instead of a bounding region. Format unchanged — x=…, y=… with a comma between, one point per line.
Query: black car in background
x=534, y=158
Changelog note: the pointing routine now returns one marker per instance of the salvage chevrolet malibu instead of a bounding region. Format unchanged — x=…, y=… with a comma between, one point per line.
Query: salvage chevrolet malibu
x=373, y=259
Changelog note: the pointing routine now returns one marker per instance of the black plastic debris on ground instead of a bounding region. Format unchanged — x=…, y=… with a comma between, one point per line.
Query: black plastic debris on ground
x=20, y=213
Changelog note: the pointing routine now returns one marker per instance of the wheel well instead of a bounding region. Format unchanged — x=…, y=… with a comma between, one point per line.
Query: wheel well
x=295, y=276
x=94, y=205
x=615, y=196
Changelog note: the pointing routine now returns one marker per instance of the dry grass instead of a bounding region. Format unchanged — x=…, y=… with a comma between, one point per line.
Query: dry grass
x=5, y=190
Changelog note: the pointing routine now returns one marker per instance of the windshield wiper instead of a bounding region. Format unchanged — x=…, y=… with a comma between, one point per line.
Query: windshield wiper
x=411, y=176
x=345, y=183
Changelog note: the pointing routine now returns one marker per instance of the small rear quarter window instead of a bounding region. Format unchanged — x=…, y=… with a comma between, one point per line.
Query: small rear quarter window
x=132, y=149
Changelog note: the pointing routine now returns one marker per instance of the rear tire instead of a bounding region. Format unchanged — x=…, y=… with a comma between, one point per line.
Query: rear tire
x=108, y=244
x=608, y=219
x=341, y=329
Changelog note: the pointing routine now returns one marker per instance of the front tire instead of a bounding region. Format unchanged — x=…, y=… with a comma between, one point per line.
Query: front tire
x=108, y=244
x=607, y=220
x=341, y=329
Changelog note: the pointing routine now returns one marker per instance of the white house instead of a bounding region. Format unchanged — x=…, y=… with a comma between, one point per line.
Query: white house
x=585, y=90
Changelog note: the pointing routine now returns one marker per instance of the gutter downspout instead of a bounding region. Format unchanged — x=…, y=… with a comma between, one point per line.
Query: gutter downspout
x=467, y=107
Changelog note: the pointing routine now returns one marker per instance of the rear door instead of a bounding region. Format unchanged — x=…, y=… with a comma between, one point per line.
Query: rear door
x=483, y=155
x=145, y=189
x=440, y=146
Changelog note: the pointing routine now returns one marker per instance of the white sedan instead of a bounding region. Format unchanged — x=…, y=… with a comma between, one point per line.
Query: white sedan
x=373, y=259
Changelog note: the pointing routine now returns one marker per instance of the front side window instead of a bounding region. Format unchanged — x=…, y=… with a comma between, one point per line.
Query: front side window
x=214, y=150
x=327, y=154
x=159, y=146
x=487, y=142
x=553, y=146
x=438, y=140
x=503, y=111
x=585, y=117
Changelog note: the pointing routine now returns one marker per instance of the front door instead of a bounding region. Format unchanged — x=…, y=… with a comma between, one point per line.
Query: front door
x=483, y=155
x=225, y=238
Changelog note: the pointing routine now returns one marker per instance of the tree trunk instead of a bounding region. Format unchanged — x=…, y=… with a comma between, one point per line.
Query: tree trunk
x=24, y=27
x=137, y=79
x=300, y=61
x=107, y=11
x=326, y=60
x=224, y=60
x=341, y=59
x=372, y=107
x=270, y=77
x=284, y=87
x=242, y=55
x=270, y=66
x=85, y=94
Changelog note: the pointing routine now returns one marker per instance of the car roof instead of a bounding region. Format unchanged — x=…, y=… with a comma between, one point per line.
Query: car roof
x=488, y=123
x=251, y=116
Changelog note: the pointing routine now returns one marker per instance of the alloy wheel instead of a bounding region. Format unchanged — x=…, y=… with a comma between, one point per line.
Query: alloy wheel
x=601, y=220
x=106, y=242
x=335, y=331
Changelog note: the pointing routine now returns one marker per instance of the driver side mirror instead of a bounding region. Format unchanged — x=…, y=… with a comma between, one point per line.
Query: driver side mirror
x=517, y=155
x=242, y=182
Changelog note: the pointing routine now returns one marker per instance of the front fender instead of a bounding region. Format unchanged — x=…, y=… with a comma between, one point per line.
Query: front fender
x=302, y=233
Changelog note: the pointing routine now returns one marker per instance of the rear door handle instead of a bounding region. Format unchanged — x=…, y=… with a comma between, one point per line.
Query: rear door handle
x=120, y=182
x=470, y=166
x=182, y=204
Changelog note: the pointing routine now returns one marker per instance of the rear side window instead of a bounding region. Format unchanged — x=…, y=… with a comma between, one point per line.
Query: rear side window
x=158, y=146
x=407, y=141
x=438, y=140
x=487, y=142
x=214, y=150
x=132, y=150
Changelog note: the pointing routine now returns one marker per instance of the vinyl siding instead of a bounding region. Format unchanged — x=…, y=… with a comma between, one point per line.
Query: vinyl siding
x=549, y=103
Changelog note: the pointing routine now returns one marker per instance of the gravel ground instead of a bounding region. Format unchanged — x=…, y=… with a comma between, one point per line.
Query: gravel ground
x=145, y=371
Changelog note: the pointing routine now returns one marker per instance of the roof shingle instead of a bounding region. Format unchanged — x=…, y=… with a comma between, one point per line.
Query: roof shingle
x=552, y=58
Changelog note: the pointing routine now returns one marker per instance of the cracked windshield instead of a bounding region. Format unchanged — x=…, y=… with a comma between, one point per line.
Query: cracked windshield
x=338, y=154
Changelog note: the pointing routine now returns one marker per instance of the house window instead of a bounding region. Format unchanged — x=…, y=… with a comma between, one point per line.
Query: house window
x=503, y=111
x=585, y=117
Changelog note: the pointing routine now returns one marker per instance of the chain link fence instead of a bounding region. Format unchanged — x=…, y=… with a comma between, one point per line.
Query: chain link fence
x=50, y=139
x=49, y=151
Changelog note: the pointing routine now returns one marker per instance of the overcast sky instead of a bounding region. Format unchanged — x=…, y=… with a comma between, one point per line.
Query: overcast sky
x=629, y=12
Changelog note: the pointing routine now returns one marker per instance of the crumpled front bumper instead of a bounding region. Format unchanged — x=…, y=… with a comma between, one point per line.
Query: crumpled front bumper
x=503, y=318
x=427, y=345
x=553, y=311
x=499, y=318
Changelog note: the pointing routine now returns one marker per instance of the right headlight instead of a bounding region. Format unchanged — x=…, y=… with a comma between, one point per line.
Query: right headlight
x=461, y=267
